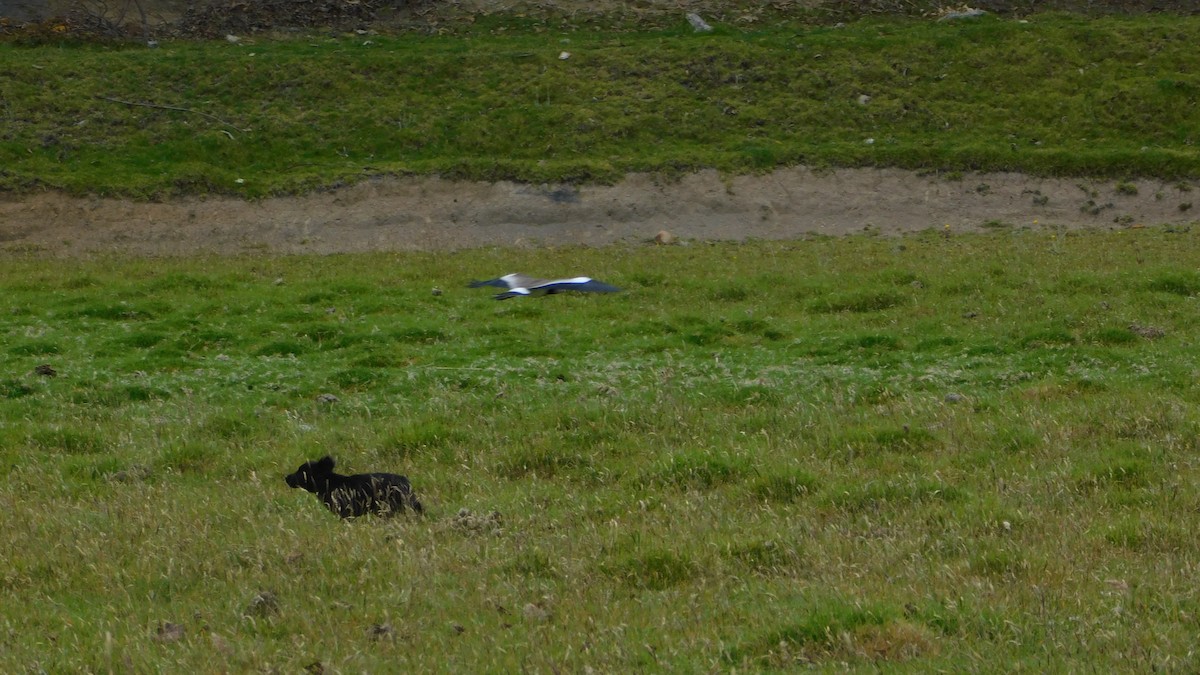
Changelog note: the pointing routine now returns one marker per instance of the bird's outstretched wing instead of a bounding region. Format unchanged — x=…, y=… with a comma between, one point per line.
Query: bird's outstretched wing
x=515, y=280
x=520, y=285
x=585, y=284
x=514, y=293
x=498, y=283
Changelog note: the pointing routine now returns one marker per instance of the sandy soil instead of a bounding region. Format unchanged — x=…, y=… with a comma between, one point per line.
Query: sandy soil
x=435, y=214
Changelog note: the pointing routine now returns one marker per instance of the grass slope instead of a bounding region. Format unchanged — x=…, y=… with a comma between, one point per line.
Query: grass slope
x=935, y=452
x=1056, y=95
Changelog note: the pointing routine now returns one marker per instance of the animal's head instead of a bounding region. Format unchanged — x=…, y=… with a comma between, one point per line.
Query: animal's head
x=311, y=474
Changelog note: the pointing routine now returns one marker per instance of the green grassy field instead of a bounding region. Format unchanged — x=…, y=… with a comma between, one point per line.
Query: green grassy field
x=942, y=451
x=1056, y=94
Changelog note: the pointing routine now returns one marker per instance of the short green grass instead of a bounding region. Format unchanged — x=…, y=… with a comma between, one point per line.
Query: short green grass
x=1055, y=94
x=936, y=452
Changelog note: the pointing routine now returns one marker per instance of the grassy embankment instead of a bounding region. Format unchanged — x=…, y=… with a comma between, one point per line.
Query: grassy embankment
x=971, y=452
x=1056, y=95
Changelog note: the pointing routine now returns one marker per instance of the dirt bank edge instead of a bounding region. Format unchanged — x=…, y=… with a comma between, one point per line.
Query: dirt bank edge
x=426, y=214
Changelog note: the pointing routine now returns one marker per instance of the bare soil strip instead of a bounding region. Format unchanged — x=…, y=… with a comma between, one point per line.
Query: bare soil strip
x=429, y=214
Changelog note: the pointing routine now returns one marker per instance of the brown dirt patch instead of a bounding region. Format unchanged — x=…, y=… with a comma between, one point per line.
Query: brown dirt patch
x=436, y=214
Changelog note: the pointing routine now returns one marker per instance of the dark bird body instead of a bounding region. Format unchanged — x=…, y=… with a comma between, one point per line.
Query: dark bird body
x=520, y=284
x=351, y=496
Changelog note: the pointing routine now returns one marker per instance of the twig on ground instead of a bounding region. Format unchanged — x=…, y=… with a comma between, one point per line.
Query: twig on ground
x=171, y=107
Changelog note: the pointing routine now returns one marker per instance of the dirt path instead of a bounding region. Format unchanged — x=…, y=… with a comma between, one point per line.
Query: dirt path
x=435, y=214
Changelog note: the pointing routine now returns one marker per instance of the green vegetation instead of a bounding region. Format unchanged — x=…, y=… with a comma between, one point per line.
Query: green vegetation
x=940, y=452
x=1058, y=94
x=936, y=452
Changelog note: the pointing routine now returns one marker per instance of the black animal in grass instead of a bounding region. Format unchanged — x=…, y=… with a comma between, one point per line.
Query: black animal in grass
x=351, y=496
x=521, y=285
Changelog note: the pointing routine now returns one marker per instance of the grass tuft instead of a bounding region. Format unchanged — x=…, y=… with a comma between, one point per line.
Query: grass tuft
x=693, y=470
x=784, y=486
x=1176, y=283
x=859, y=301
x=67, y=441
x=653, y=570
x=892, y=494
x=825, y=631
x=35, y=348
x=765, y=557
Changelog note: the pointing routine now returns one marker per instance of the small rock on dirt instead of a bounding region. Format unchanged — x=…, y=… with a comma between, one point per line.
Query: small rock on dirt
x=478, y=523
x=699, y=25
x=220, y=644
x=263, y=604
x=168, y=632
x=1148, y=332
x=135, y=473
x=969, y=13
x=535, y=612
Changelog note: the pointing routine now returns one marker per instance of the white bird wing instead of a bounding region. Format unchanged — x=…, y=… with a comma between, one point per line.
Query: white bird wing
x=514, y=280
x=522, y=284
x=516, y=292
x=522, y=281
x=585, y=284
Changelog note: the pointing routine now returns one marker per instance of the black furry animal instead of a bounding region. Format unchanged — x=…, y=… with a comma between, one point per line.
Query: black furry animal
x=350, y=496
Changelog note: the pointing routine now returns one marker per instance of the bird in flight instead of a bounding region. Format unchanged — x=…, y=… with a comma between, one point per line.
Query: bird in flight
x=520, y=284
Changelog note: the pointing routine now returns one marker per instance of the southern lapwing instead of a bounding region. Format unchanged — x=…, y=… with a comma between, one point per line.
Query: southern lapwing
x=520, y=284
